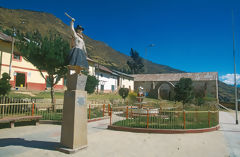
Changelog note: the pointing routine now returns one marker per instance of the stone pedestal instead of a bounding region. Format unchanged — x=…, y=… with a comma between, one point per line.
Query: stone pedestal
x=74, y=125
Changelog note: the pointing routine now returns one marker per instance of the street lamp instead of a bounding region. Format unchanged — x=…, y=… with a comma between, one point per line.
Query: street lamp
x=235, y=77
x=151, y=45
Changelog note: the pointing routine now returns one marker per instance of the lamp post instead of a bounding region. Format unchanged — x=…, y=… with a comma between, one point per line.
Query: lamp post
x=235, y=77
x=151, y=45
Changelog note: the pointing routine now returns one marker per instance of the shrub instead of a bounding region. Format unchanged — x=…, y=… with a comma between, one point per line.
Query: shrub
x=91, y=84
x=123, y=92
x=5, y=86
x=184, y=90
x=132, y=97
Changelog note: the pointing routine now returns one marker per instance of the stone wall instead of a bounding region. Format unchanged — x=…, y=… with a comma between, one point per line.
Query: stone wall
x=209, y=88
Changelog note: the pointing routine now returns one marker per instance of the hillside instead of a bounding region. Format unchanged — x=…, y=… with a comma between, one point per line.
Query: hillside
x=25, y=20
x=226, y=93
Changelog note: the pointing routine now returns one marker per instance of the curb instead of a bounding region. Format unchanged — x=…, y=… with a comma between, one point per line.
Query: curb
x=163, y=131
x=60, y=122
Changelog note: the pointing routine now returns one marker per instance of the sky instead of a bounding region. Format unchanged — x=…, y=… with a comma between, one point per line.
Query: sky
x=190, y=35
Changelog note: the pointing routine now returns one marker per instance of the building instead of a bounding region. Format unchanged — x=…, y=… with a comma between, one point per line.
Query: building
x=108, y=80
x=162, y=85
x=125, y=80
x=25, y=75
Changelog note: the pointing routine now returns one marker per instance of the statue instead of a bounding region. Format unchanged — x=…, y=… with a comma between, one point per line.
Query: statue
x=74, y=121
x=77, y=58
x=140, y=94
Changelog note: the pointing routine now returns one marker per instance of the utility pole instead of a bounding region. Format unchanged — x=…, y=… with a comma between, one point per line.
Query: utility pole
x=13, y=40
x=235, y=77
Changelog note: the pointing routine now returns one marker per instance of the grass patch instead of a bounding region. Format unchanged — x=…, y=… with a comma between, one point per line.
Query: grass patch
x=171, y=121
x=57, y=115
x=104, y=96
x=47, y=95
x=18, y=95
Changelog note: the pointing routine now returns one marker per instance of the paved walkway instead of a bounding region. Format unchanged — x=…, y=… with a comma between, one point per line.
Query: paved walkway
x=41, y=141
x=231, y=132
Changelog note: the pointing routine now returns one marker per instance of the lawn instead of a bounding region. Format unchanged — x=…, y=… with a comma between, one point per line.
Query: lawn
x=51, y=115
x=170, y=120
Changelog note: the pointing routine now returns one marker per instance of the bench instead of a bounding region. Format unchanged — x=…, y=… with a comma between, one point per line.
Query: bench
x=12, y=120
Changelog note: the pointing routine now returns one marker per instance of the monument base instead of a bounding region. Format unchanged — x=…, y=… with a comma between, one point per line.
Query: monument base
x=74, y=121
x=74, y=124
x=70, y=151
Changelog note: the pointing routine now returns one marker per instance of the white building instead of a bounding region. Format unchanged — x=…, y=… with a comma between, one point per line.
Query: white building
x=25, y=75
x=108, y=80
x=125, y=80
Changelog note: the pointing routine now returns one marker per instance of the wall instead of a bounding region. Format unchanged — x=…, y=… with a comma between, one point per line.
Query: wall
x=152, y=87
x=34, y=80
x=91, y=69
x=107, y=80
x=126, y=82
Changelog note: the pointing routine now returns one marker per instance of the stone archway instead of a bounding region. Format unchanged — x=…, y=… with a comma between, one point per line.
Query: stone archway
x=165, y=90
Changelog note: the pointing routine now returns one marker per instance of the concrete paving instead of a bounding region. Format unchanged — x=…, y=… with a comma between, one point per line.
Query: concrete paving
x=42, y=140
x=231, y=132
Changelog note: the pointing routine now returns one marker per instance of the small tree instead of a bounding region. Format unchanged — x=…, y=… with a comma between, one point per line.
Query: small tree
x=184, y=90
x=5, y=86
x=47, y=53
x=123, y=92
x=199, y=95
x=91, y=84
x=135, y=64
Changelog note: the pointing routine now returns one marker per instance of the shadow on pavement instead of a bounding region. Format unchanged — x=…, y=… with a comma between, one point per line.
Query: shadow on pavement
x=31, y=144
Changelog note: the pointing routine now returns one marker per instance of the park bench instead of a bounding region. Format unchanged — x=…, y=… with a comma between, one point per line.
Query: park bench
x=12, y=120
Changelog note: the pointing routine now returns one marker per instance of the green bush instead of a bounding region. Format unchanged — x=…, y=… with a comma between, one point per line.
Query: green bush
x=184, y=90
x=132, y=97
x=123, y=92
x=91, y=84
x=5, y=86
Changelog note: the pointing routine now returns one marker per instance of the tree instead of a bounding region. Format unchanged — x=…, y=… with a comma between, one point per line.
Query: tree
x=5, y=86
x=91, y=84
x=199, y=95
x=47, y=54
x=135, y=64
x=123, y=92
x=184, y=90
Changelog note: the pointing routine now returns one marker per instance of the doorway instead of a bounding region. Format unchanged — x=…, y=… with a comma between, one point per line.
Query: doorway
x=20, y=79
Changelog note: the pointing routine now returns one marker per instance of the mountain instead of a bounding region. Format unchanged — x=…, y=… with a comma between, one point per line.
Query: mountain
x=28, y=21
x=226, y=92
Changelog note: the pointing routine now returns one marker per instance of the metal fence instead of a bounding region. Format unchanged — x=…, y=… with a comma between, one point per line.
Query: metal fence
x=170, y=118
x=14, y=107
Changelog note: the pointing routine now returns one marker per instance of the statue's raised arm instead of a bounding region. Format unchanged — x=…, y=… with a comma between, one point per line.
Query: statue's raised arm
x=77, y=58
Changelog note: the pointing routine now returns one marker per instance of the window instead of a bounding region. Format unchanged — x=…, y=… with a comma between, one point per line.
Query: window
x=16, y=57
x=113, y=88
x=102, y=88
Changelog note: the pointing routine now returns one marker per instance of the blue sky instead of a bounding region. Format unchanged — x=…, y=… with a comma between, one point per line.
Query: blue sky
x=194, y=36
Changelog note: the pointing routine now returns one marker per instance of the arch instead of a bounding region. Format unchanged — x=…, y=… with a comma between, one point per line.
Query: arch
x=171, y=86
